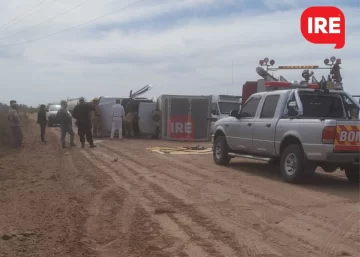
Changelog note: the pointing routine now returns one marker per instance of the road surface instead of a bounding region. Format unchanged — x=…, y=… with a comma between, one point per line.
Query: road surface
x=121, y=199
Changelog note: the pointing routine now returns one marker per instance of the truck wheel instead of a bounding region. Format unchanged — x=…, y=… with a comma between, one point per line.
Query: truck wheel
x=221, y=151
x=352, y=174
x=292, y=164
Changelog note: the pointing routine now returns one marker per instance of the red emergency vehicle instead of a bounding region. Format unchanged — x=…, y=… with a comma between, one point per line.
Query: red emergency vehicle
x=269, y=82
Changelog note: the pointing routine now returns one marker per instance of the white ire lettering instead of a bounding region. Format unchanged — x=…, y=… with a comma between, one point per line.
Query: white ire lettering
x=179, y=127
x=318, y=25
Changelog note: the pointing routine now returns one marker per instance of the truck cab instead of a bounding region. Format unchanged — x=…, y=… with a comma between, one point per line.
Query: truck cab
x=221, y=107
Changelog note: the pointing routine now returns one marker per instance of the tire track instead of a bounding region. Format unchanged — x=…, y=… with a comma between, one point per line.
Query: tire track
x=334, y=242
x=261, y=228
x=254, y=234
x=168, y=226
x=159, y=199
x=179, y=205
x=282, y=209
x=189, y=169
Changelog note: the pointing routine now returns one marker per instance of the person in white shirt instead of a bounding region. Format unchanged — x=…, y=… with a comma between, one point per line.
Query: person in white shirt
x=118, y=114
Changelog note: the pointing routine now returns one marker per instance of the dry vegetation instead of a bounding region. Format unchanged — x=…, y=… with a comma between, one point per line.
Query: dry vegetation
x=4, y=128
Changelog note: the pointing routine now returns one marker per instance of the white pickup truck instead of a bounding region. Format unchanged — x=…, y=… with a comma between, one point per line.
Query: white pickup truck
x=300, y=129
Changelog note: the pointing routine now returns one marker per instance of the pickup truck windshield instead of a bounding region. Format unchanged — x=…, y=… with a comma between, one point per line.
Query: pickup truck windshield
x=226, y=107
x=322, y=106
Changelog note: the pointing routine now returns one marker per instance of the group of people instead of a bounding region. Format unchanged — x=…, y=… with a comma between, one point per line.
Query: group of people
x=88, y=120
x=84, y=121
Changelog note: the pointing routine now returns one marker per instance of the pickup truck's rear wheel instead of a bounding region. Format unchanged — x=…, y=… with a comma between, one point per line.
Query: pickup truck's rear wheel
x=221, y=151
x=353, y=174
x=292, y=163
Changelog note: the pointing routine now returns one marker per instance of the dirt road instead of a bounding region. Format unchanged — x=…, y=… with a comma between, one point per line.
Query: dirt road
x=123, y=200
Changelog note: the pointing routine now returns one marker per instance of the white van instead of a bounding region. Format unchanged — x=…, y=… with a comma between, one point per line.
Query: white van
x=221, y=107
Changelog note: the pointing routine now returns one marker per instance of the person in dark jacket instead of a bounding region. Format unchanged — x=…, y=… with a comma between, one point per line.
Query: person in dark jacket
x=82, y=114
x=42, y=121
x=64, y=118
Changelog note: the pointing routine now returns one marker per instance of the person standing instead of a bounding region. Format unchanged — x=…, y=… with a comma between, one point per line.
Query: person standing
x=128, y=124
x=15, y=124
x=96, y=119
x=64, y=118
x=82, y=113
x=156, y=117
x=42, y=121
x=117, y=118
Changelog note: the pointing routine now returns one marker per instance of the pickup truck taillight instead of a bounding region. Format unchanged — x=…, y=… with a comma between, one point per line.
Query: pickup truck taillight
x=328, y=135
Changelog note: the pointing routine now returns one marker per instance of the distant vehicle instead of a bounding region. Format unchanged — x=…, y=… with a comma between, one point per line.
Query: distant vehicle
x=71, y=103
x=299, y=128
x=221, y=106
x=51, y=114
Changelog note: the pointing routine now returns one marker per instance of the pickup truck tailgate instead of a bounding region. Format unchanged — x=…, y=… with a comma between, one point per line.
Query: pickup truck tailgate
x=347, y=137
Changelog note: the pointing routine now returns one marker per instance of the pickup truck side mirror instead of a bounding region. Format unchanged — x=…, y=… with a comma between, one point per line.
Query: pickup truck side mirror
x=234, y=113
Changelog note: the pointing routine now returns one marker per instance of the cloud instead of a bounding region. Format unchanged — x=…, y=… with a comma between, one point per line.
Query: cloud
x=179, y=47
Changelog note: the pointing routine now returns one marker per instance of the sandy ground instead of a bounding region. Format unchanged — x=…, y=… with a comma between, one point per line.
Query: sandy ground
x=123, y=200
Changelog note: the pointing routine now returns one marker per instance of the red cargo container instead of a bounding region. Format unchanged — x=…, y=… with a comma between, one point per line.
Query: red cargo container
x=252, y=87
x=249, y=88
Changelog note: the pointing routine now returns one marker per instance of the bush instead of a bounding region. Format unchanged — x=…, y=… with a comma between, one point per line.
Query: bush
x=5, y=138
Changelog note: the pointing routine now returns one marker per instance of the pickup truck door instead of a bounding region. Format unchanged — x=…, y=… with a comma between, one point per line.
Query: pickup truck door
x=265, y=126
x=241, y=129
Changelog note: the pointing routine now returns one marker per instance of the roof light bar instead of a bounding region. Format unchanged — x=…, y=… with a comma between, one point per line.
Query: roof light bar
x=299, y=67
x=289, y=85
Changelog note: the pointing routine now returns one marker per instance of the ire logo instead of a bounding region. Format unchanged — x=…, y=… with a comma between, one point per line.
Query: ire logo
x=181, y=128
x=323, y=25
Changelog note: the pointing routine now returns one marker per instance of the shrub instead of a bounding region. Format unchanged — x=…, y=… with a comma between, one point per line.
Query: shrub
x=5, y=138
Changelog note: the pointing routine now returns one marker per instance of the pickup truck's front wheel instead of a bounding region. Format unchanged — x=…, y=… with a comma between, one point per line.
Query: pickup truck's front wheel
x=221, y=151
x=353, y=174
x=292, y=163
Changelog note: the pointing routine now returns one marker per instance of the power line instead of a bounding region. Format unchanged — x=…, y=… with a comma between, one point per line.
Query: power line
x=79, y=25
x=47, y=20
x=17, y=17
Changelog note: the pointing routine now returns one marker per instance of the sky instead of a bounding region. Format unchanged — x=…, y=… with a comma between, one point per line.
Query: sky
x=52, y=50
